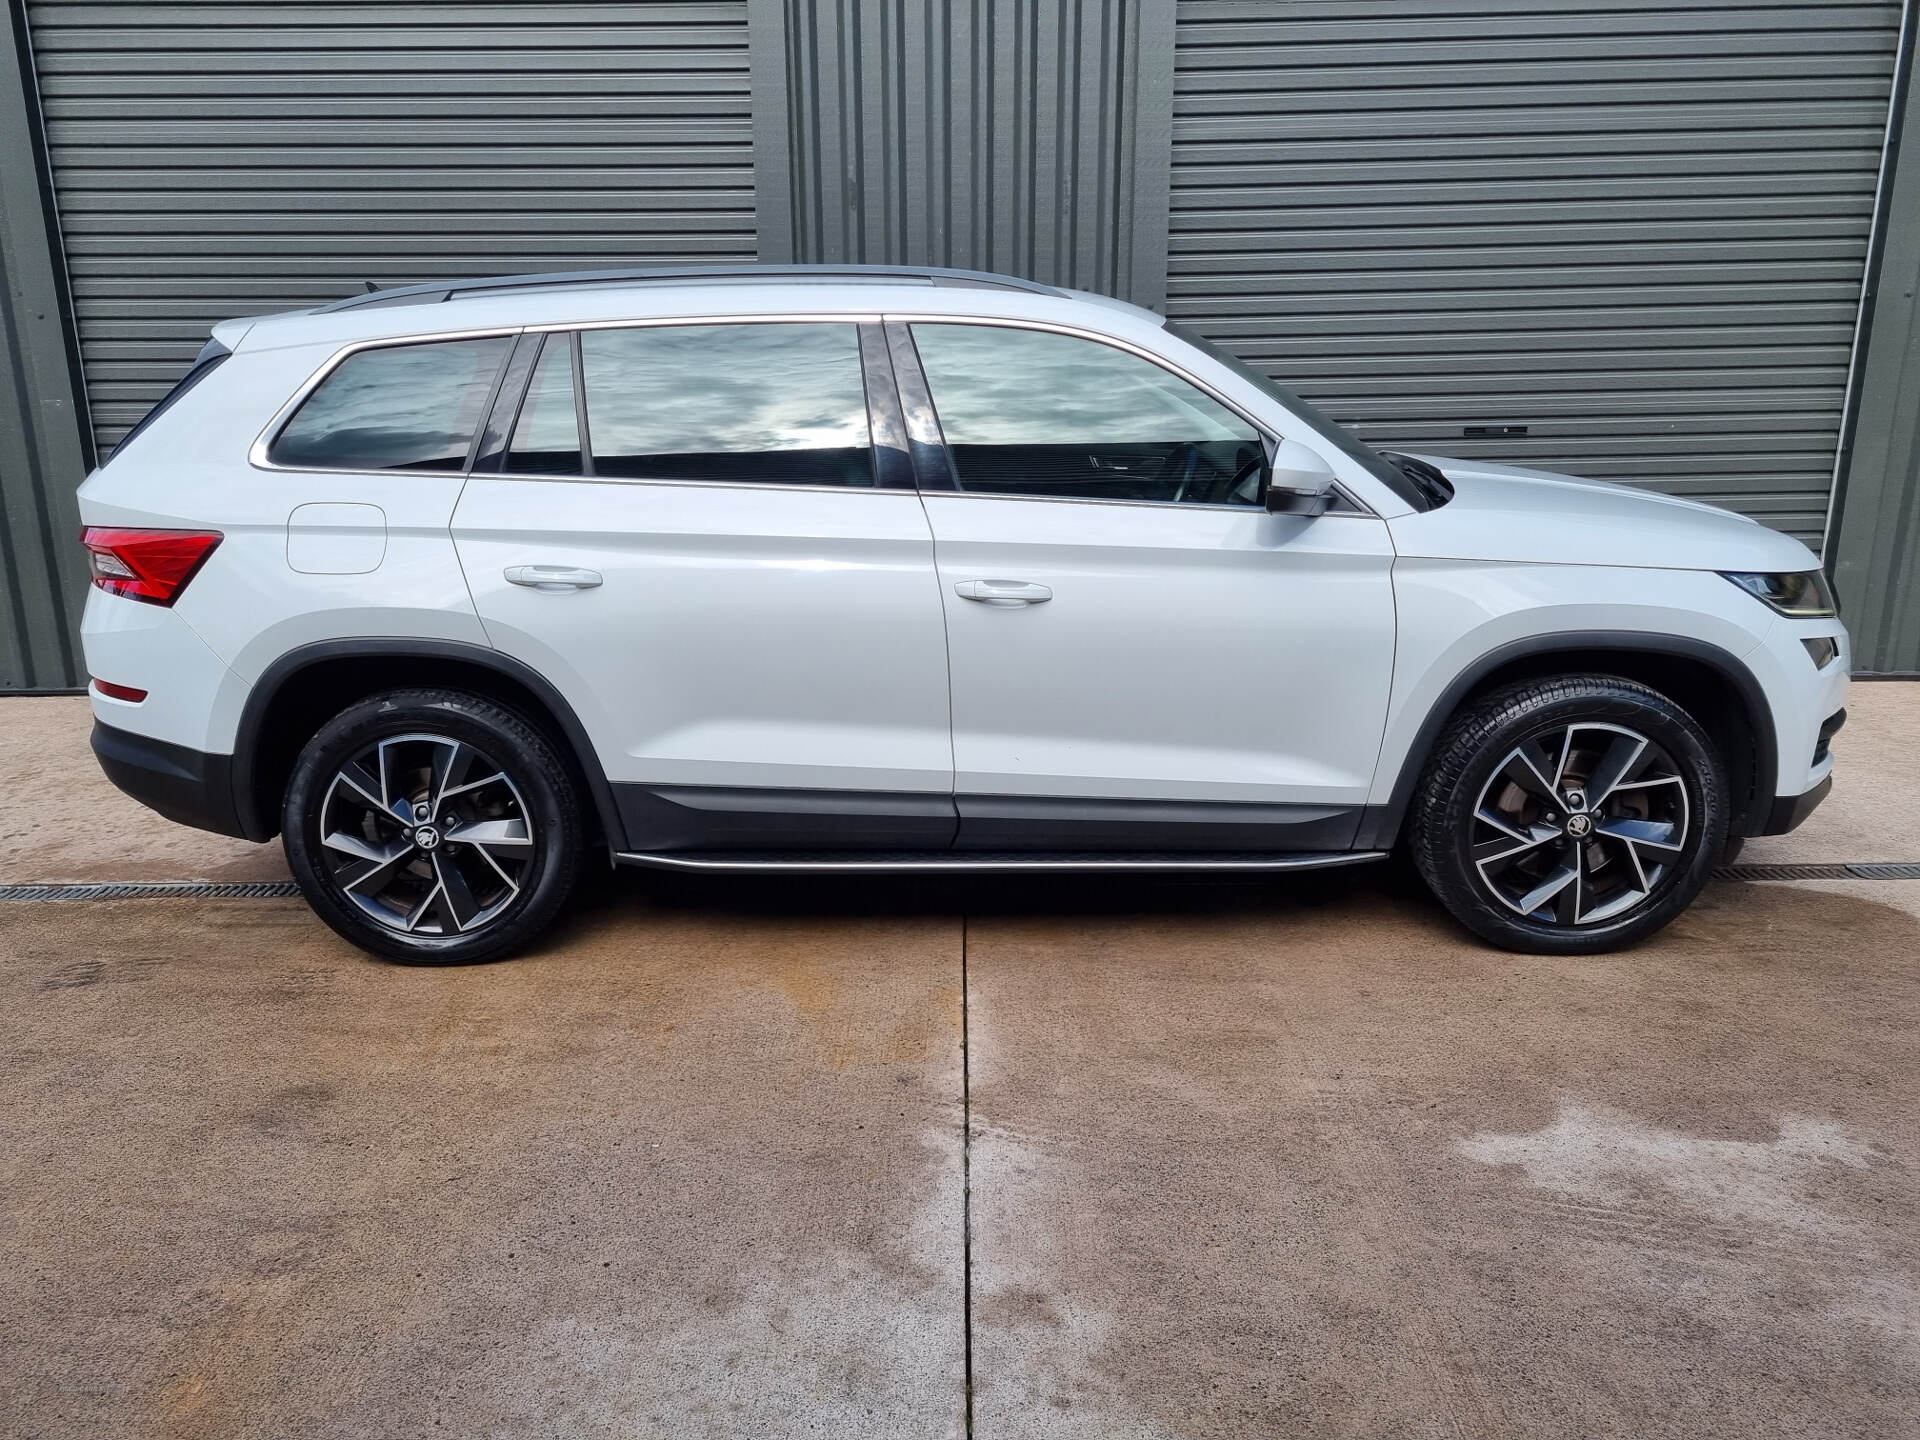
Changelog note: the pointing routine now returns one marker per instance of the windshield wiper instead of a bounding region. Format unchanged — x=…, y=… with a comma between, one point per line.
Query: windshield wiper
x=1428, y=479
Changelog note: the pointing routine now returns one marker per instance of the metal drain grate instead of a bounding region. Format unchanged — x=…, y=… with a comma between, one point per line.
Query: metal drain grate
x=284, y=889
x=154, y=890
x=1851, y=870
x=1783, y=872
x=1886, y=870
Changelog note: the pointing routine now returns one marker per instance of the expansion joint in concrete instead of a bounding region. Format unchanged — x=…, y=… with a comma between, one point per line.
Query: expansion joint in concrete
x=966, y=1187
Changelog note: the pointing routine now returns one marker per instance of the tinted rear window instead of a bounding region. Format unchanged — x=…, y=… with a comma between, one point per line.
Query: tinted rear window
x=772, y=404
x=400, y=407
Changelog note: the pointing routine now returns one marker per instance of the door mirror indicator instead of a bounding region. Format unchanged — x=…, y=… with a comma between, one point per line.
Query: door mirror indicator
x=1298, y=500
x=1299, y=482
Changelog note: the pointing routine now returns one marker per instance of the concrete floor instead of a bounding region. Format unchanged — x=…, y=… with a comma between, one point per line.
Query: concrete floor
x=1240, y=1158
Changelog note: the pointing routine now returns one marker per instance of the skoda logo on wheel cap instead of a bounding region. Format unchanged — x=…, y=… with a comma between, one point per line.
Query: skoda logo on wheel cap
x=1579, y=826
x=427, y=838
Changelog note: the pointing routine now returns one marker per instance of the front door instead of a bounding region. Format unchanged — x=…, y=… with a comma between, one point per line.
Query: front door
x=688, y=533
x=1142, y=657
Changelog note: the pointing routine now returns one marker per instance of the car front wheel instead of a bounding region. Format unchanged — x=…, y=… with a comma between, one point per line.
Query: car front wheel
x=1570, y=815
x=433, y=826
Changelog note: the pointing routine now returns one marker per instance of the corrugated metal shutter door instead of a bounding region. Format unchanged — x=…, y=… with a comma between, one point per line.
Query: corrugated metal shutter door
x=221, y=159
x=1638, y=229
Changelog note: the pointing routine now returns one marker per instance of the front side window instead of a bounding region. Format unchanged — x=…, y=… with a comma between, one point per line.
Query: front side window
x=1029, y=412
x=398, y=407
x=775, y=404
x=1405, y=478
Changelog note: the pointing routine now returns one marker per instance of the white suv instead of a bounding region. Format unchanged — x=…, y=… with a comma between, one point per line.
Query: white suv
x=881, y=569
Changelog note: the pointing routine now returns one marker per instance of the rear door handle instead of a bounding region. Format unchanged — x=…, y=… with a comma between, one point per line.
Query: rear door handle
x=1002, y=592
x=552, y=578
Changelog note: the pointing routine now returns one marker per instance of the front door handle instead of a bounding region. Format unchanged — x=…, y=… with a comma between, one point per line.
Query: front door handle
x=1002, y=592
x=552, y=578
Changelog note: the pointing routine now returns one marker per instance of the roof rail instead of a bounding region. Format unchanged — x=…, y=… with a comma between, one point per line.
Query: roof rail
x=439, y=290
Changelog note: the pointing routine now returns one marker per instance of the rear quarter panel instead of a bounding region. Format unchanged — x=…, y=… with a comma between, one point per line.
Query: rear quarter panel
x=248, y=605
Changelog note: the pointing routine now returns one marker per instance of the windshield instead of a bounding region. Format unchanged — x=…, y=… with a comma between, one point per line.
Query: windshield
x=1332, y=431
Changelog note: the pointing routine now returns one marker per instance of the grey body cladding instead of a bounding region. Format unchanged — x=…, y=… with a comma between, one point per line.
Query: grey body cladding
x=693, y=818
x=680, y=819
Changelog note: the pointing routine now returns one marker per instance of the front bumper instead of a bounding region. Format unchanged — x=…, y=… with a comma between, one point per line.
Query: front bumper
x=1789, y=810
x=187, y=786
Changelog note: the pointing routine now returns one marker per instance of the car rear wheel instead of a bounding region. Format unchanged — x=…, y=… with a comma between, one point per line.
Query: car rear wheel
x=1570, y=815
x=433, y=826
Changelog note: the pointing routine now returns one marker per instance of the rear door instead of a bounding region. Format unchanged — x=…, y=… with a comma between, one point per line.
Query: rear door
x=708, y=540
x=1142, y=657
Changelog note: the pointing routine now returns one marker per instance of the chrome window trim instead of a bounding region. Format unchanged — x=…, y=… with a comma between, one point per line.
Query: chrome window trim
x=1054, y=327
x=263, y=442
x=759, y=487
x=798, y=317
x=257, y=452
x=1355, y=514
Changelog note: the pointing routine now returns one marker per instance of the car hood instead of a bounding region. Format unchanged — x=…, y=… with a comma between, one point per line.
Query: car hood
x=1504, y=513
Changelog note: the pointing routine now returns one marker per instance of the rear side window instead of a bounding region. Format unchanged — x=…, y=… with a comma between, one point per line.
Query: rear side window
x=774, y=404
x=399, y=407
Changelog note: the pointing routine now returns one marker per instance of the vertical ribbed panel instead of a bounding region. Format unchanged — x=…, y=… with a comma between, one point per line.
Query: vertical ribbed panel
x=216, y=159
x=1875, y=536
x=995, y=135
x=1636, y=228
x=43, y=579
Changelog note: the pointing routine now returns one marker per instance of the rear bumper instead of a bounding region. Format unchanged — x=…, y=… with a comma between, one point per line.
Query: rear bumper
x=1789, y=810
x=187, y=786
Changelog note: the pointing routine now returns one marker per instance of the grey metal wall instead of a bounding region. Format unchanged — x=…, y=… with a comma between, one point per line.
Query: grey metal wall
x=42, y=450
x=1025, y=136
x=1637, y=228
x=1876, y=530
x=219, y=158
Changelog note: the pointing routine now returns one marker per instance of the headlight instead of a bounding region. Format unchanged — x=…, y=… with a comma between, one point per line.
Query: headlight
x=1802, y=594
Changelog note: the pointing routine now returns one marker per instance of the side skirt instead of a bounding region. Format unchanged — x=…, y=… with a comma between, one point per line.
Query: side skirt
x=976, y=862
x=713, y=819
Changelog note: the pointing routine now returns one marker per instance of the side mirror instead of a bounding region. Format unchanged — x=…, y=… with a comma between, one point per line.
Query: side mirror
x=1299, y=482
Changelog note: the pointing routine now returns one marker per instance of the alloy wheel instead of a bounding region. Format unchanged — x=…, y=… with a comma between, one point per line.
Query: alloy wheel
x=1580, y=824
x=427, y=835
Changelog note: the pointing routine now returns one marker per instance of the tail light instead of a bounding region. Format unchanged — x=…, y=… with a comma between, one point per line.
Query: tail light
x=149, y=565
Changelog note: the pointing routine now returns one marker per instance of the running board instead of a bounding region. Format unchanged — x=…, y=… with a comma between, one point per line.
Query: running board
x=951, y=861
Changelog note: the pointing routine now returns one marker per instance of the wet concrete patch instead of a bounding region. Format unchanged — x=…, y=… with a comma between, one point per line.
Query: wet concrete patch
x=1336, y=1172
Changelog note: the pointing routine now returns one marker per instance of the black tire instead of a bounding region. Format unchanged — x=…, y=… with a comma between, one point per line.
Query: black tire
x=1656, y=838
x=479, y=898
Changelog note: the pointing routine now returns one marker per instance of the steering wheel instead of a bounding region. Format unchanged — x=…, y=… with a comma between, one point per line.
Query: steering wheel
x=1185, y=460
x=1186, y=476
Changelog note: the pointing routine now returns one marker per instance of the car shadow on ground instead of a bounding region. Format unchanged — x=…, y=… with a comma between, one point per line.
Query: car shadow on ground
x=1302, y=894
